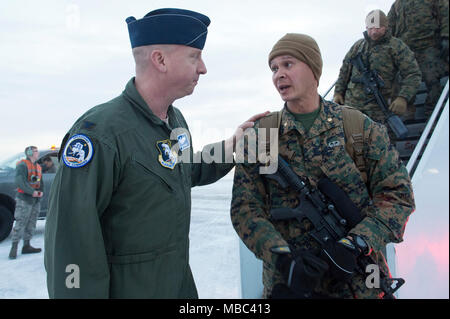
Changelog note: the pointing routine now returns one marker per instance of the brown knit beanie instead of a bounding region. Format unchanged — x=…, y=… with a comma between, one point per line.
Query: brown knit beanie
x=376, y=19
x=302, y=47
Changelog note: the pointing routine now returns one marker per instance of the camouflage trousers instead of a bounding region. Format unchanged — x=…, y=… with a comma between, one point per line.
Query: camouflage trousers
x=433, y=68
x=26, y=217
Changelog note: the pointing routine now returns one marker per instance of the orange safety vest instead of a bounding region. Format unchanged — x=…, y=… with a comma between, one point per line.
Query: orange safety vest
x=33, y=170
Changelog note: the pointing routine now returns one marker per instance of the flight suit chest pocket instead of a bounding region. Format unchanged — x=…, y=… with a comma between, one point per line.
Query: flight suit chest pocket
x=150, y=173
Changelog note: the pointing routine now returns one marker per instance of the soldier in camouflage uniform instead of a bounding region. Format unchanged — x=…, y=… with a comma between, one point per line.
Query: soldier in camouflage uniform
x=386, y=55
x=311, y=139
x=423, y=26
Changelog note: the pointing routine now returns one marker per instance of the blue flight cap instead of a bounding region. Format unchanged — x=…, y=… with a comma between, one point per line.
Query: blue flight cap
x=169, y=26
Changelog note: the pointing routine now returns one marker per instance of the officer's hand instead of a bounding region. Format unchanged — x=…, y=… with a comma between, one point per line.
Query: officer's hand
x=444, y=48
x=338, y=98
x=341, y=259
x=302, y=271
x=399, y=106
x=230, y=144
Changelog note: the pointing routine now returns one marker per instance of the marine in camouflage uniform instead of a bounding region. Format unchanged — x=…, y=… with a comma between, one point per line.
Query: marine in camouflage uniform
x=388, y=56
x=423, y=26
x=386, y=200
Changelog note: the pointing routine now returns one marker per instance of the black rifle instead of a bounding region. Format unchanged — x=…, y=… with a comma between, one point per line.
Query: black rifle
x=372, y=84
x=330, y=211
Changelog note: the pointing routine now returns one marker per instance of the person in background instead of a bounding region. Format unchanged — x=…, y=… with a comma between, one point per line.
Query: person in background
x=423, y=26
x=28, y=202
x=48, y=166
x=386, y=55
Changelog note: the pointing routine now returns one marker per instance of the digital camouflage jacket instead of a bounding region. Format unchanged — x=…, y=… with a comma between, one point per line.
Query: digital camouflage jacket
x=419, y=23
x=388, y=56
x=386, y=201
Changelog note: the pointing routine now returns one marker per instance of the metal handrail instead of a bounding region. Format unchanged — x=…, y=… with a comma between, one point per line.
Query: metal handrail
x=421, y=144
x=328, y=91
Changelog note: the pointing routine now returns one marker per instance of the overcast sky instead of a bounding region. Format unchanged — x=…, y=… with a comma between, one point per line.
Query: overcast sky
x=59, y=58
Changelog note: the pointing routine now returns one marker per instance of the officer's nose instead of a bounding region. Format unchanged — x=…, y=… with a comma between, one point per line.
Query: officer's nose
x=202, y=67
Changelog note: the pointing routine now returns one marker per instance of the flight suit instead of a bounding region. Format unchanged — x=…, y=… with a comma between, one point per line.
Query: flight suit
x=122, y=218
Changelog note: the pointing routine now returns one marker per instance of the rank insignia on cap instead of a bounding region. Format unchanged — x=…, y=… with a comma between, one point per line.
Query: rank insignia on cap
x=78, y=151
x=183, y=141
x=167, y=157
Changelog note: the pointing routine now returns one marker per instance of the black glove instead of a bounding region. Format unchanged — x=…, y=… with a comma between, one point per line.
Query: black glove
x=302, y=271
x=341, y=258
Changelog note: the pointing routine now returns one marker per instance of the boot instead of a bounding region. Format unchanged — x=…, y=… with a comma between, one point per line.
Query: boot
x=13, y=251
x=28, y=249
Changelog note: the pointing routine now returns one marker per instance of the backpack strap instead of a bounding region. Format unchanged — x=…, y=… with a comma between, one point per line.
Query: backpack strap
x=273, y=120
x=354, y=137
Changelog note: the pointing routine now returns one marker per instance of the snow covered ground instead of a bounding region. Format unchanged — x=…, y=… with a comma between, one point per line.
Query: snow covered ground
x=214, y=251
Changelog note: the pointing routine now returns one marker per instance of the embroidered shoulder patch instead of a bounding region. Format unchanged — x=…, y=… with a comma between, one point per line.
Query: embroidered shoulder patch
x=78, y=151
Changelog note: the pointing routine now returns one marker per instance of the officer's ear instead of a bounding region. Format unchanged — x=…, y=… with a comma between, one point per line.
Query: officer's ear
x=158, y=59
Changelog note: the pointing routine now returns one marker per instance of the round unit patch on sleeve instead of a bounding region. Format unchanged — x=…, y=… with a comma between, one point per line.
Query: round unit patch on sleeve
x=78, y=151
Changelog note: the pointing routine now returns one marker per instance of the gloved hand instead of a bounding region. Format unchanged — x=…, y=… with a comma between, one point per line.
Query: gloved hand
x=338, y=98
x=341, y=259
x=399, y=106
x=302, y=271
x=444, y=49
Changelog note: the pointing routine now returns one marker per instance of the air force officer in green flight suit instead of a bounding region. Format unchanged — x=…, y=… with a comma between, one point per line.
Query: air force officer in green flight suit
x=119, y=210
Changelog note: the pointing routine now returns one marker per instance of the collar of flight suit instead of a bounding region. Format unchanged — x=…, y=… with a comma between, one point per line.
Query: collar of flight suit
x=327, y=119
x=132, y=95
